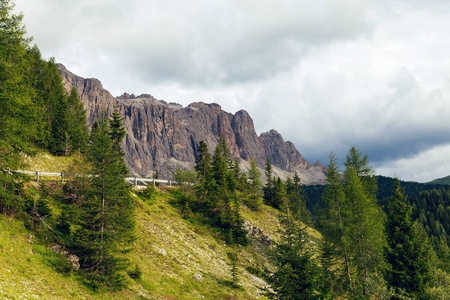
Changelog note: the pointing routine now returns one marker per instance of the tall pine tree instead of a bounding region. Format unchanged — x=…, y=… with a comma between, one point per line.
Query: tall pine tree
x=407, y=251
x=107, y=222
x=18, y=119
x=297, y=274
x=78, y=129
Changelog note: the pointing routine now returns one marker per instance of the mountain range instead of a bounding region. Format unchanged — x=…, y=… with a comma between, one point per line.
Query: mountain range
x=165, y=136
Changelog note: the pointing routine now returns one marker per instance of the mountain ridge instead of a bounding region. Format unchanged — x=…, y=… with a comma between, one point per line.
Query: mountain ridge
x=165, y=136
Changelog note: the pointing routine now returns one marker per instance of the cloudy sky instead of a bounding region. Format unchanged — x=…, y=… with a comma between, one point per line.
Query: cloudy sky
x=326, y=74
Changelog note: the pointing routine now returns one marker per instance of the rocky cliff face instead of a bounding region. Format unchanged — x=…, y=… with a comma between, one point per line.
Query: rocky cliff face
x=166, y=135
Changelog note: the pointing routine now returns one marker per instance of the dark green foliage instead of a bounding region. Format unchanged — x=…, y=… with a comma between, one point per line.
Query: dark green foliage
x=297, y=274
x=149, y=192
x=78, y=130
x=117, y=131
x=18, y=120
x=279, y=196
x=296, y=197
x=268, y=189
x=352, y=225
x=59, y=113
x=135, y=273
x=53, y=259
x=407, y=252
x=233, y=255
x=106, y=224
x=63, y=223
x=203, y=161
x=216, y=191
x=363, y=220
x=254, y=199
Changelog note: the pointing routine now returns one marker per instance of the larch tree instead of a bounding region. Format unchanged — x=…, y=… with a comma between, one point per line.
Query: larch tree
x=332, y=223
x=363, y=221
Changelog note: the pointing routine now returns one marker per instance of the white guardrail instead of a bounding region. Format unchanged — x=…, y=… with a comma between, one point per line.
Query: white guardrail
x=130, y=180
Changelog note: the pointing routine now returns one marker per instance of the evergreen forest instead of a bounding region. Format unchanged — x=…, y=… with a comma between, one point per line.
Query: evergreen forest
x=360, y=236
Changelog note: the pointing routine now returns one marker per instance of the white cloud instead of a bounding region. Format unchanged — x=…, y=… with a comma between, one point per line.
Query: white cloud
x=422, y=167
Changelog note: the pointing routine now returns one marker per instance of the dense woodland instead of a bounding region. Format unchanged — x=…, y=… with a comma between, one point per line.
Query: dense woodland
x=381, y=238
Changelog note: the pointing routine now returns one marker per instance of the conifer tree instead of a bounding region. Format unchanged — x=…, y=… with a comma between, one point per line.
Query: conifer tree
x=203, y=162
x=106, y=225
x=221, y=193
x=297, y=274
x=223, y=198
x=255, y=184
x=78, y=129
x=204, y=174
x=268, y=188
x=279, y=194
x=363, y=220
x=407, y=252
x=296, y=197
x=333, y=225
x=18, y=119
x=117, y=132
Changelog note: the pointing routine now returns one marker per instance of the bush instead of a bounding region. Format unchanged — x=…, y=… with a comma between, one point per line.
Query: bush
x=149, y=192
x=136, y=273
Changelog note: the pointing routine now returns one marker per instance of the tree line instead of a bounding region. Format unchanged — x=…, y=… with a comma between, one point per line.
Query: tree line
x=364, y=253
x=92, y=216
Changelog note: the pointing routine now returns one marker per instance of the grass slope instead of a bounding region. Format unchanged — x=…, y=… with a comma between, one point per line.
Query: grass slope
x=168, y=249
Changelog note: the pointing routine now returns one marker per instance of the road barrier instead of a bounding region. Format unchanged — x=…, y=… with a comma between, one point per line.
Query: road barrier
x=130, y=180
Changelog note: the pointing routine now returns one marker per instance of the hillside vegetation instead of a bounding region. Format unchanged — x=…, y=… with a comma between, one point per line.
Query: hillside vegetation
x=223, y=234
x=169, y=251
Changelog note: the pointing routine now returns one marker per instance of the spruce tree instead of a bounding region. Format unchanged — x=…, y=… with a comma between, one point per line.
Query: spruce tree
x=297, y=197
x=204, y=174
x=224, y=201
x=117, y=132
x=18, y=120
x=407, y=251
x=106, y=225
x=279, y=197
x=268, y=188
x=78, y=129
x=297, y=274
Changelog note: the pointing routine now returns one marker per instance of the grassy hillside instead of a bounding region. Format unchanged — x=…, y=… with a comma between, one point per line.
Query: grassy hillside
x=169, y=251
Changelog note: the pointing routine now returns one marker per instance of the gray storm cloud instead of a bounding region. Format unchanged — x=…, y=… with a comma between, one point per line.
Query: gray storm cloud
x=328, y=75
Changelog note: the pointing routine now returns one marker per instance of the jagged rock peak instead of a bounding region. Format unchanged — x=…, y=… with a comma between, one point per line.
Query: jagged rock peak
x=126, y=96
x=197, y=105
x=165, y=136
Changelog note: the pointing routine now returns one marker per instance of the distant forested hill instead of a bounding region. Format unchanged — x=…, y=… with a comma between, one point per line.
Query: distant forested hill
x=443, y=180
x=385, y=186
